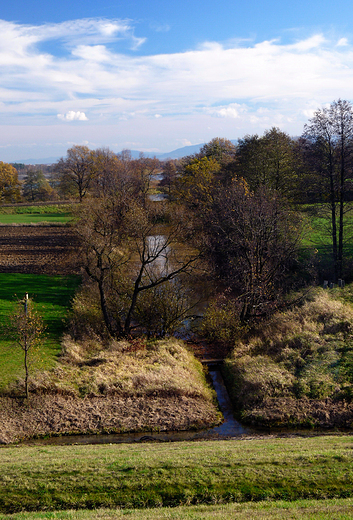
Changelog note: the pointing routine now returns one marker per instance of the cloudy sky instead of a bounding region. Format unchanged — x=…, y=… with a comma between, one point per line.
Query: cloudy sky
x=155, y=76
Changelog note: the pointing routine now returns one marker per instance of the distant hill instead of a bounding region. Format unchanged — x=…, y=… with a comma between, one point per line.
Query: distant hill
x=45, y=160
x=174, y=154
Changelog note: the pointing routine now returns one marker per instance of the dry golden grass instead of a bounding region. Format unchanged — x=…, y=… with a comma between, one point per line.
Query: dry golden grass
x=125, y=387
x=137, y=368
x=305, y=352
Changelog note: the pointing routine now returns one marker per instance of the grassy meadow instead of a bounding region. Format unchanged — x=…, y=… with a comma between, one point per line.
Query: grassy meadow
x=39, y=214
x=46, y=478
x=52, y=296
x=337, y=509
x=317, y=236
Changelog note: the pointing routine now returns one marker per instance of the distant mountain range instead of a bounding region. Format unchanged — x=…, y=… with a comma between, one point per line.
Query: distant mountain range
x=175, y=154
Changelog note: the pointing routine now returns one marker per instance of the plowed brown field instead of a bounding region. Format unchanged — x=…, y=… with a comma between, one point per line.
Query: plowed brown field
x=38, y=250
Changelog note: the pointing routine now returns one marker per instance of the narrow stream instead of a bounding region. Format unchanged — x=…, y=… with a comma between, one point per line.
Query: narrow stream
x=230, y=428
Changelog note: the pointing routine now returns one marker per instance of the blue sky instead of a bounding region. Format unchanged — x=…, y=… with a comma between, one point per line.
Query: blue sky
x=156, y=76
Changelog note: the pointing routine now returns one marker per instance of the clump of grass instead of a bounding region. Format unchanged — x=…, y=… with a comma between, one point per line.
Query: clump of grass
x=136, y=368
x=304, y=352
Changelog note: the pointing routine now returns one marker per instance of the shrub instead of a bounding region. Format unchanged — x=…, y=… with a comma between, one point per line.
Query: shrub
x=304, y=352
x=221, y=322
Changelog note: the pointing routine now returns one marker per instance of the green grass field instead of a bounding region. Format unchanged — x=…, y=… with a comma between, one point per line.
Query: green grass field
x=35, y=218
x=22, y=214
x=335, y=509
x=47, y=478
x=52, y=296
x=318, y=231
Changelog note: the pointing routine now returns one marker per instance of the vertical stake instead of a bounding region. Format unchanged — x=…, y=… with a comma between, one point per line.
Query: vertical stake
x=26, y=303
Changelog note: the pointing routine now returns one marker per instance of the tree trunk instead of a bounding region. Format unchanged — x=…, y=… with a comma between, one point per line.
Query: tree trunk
x=26, y=368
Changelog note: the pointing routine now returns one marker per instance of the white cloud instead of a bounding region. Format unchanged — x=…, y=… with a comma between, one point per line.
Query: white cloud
x=342, y=42
x=233, y=110
x=155, y=26
x=239, y=87
x=184, y=142
x=73, y=116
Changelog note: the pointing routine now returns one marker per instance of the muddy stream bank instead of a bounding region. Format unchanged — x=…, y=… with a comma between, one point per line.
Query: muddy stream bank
x=230, y=428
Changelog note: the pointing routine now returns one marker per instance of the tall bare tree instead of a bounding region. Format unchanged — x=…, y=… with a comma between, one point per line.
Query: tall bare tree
x=330, y=133
x=76, y=171
x=126, y=252
x=253, y=239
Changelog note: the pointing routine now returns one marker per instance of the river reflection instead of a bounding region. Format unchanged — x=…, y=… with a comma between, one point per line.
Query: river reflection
x=157, y=197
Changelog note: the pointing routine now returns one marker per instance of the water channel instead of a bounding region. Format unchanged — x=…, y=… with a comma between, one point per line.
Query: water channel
x=230, y=428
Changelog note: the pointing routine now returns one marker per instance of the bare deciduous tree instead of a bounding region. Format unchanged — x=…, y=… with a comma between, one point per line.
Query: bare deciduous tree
x=127, y=252
x=330, y=133
x=76, y=171
x=252, y=238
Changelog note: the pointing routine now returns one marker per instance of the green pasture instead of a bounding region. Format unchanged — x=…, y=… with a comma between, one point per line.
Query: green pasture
x=48, y=478
x=35, y=218
x=51, y=296
x=337, y=509
x=19, y=214
x=316, y=242
x=317, y=231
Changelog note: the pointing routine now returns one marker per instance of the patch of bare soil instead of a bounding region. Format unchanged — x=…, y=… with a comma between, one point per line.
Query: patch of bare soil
x=290, y=412
x=38, y=250
x=59, y=415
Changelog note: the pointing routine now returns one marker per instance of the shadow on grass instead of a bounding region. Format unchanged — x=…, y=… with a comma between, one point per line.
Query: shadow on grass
x=51, y=294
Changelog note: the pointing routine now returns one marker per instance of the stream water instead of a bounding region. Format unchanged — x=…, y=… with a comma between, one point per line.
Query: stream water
x=230, y=428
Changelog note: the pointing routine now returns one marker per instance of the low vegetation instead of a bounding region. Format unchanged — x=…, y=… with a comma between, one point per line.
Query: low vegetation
x=339, y=509
x=296, y=368
x=126, y=368
x=87, y=383
x=156, y=475
x=39, y=214
x=121, y=387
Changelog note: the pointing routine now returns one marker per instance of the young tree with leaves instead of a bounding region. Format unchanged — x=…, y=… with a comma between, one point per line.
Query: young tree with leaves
x=268, y=161
x=27, y=330
x=10, y=188
x=36, y=187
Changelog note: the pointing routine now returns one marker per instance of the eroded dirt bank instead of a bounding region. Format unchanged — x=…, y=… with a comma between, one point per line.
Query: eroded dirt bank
x=53, y=415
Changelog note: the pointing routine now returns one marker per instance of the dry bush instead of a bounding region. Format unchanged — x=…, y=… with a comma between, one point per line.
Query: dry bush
x=86, y=315
x=221, y=322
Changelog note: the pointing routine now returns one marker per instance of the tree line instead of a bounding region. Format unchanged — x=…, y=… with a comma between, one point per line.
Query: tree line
x=233, y=213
